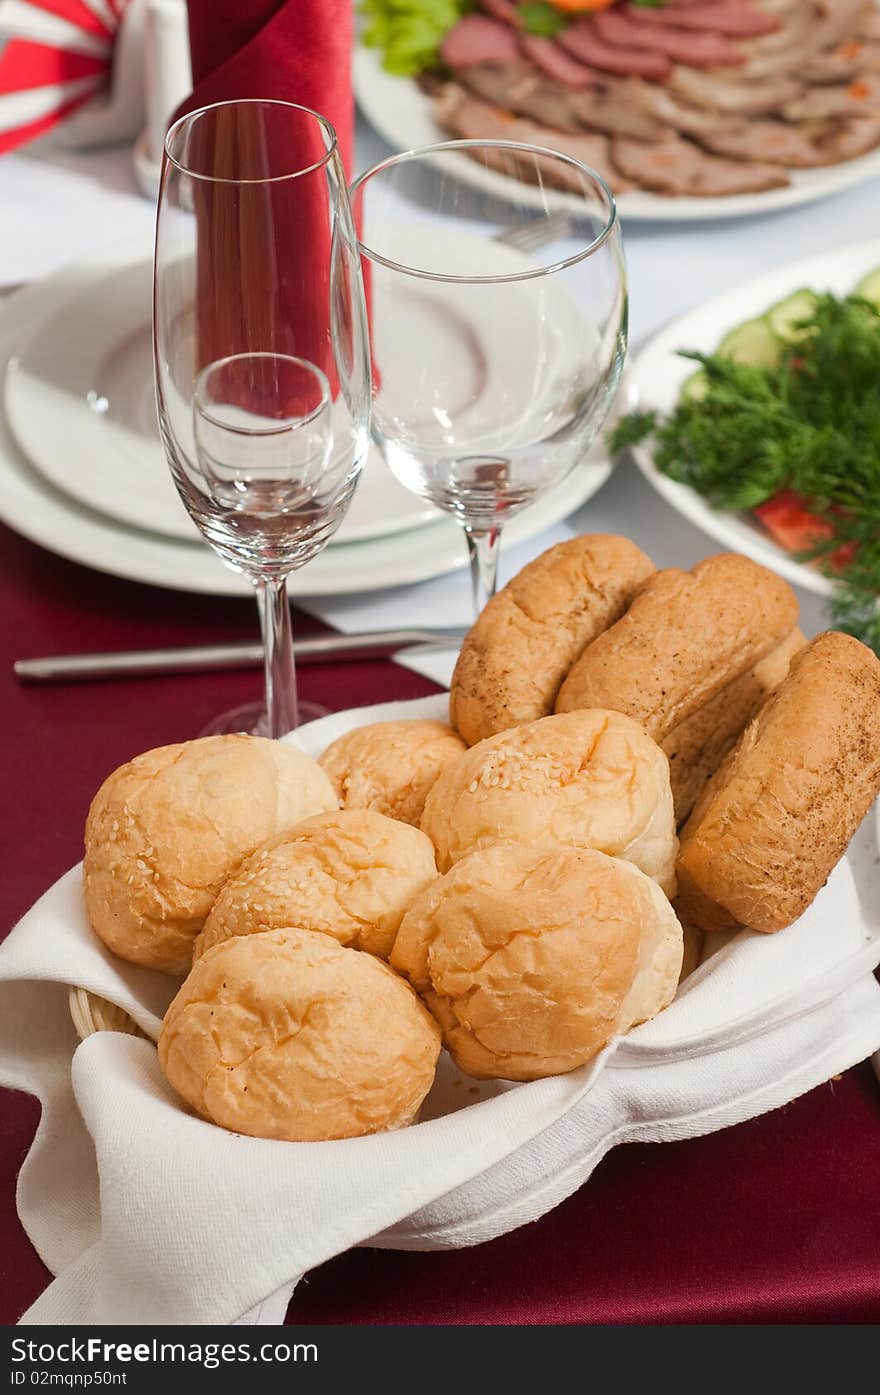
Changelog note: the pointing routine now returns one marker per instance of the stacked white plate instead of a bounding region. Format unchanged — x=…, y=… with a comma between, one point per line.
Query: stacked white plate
x=82, y=471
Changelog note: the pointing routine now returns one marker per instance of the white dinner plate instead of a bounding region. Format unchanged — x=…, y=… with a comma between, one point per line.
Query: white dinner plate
x=32, y=506
x=401, y=112
x=79, y=399
x=655, y=376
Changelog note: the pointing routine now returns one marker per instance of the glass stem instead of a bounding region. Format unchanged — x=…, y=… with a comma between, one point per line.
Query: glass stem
x=280, y=668
x=484, y=545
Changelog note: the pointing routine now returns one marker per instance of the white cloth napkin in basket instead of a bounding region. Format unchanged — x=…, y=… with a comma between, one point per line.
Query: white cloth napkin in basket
x=147, y=1214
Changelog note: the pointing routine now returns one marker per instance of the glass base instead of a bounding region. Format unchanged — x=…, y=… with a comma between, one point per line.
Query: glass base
x=250, y=718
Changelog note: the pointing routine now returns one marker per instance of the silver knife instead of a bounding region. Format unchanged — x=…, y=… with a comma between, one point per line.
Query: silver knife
x=64, y=668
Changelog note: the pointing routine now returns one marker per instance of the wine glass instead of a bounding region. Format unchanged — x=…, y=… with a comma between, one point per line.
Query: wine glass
x=261, y=353
x=497, y=344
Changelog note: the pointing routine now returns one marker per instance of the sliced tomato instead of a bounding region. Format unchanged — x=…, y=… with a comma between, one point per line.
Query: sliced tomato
x=792, y=524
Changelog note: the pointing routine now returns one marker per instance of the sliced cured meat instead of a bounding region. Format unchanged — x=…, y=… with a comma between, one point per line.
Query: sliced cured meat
x=666, y=110
x=555, y=62
x=869, y=23
x=735, y=21
x=843, y=63
x=518, y=88
x=505, y=10
x=472, y=119
x=674, y=166
x=850, y=138
x=478, y=39
x=582, y=42
x=698, y=50
x=775, y=142
x=861, y=97
x=603, y=109
x=730, y=96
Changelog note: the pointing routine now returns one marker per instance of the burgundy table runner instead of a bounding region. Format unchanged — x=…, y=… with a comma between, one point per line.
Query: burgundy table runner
x=776, y=1220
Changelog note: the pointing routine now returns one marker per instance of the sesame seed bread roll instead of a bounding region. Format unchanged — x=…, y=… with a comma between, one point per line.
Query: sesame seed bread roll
x=350, y=874
x=391, y=766
x=584, y=780
x=775, y=819
x=697, y=746
x=288, y=1035
x=685, y=636
x=166, y=829
x=532, y=959
x=515, y=657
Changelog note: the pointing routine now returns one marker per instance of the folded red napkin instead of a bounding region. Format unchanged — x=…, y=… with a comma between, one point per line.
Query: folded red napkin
x=264, y=263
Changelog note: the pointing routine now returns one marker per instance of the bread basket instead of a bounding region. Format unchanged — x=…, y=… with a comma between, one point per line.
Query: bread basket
x=93, y=1014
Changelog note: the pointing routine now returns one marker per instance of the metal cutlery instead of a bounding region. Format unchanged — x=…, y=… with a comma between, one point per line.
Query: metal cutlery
x=67, y=668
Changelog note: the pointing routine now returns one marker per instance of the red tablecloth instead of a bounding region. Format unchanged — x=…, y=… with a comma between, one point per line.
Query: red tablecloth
x=777, y=1220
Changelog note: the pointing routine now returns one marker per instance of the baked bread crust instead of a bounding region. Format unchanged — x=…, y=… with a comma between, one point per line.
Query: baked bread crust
x=350, y=874
x=779, y=813
x=166, y=829
x=288, y=1035
x=697, y=746
x=685, y=636
x=391, y=766
x=515, y=657
x=531, y=959
x=583, y=779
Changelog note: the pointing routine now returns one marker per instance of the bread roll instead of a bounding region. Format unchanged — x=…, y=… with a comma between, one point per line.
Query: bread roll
x=685, y=636
x=532, y=959
x=584, y=780
x=527, y=638
x=350, y=874
x=288, y=1035
x=390, y=766
x=694, y=941
x=777, y=816
x=165, y=831
x=697, y=746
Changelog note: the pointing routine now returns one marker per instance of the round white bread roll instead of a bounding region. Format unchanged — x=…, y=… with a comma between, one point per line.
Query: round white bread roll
x=351, y=874
x=589, y=779
x=531, y=959
x=166, y=829
x=288, y=1035
x=391, y=766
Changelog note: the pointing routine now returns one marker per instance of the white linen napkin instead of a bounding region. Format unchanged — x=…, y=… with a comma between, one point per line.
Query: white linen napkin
x=147, y=1214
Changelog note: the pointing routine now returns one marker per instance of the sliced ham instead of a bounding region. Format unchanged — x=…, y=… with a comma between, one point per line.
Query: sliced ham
x=518, y=88
x=735, y=21
x=861, y=97
x=582, y=42
x=478, y=39
x=605, y=109
x=851, y=138
x=731, y=96
x=472, y=119
x=699, y=50
x=677, y=167
x=553, y=60
x=843, y=63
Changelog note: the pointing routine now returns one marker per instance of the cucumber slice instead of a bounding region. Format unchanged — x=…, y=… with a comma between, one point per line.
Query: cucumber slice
x=786, y=317
x=753, y=343
x=693, y=389
x=869, y=287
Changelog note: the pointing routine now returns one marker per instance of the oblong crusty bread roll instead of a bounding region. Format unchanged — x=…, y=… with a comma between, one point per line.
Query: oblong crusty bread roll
x=584, y=779
x=288, y=1035
x=685, y=636
x=350, y=874
x=391, y=766
x=523, y=644
x=531, y=959
x=166, y=829
x=697, y=746
x=779, y=813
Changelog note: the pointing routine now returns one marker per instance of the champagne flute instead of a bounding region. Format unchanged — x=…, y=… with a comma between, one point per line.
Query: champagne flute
x=497, y=349
x=261, y=354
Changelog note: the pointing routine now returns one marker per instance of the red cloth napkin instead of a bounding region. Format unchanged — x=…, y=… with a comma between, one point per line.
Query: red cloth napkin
x=264, y=258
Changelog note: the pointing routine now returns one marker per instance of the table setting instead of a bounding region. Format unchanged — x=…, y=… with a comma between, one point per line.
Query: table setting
x=487, y=927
